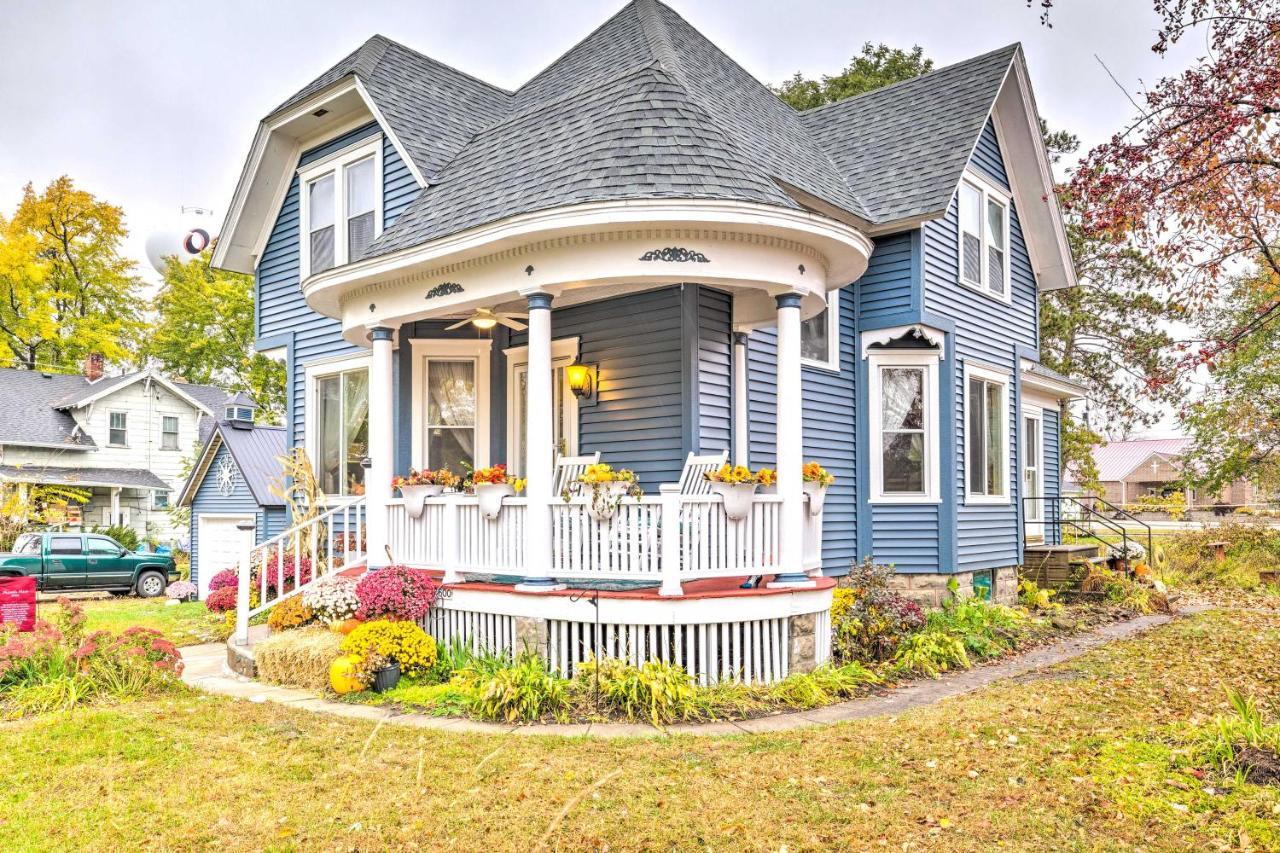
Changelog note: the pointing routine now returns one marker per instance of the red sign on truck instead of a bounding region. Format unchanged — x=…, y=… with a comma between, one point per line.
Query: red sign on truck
x=18, y=602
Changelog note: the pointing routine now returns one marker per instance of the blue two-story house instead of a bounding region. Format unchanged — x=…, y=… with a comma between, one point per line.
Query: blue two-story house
x=643, y=253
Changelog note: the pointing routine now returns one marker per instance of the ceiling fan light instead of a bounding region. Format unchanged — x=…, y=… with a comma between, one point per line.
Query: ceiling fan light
x=484, y=321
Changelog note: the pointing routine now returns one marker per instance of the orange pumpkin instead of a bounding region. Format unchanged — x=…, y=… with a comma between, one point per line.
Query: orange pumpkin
x=1142, y=570
x=344, y=675
x=346, y=626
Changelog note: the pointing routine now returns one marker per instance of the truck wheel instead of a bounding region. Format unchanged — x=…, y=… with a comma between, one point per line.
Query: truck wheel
x=150, y=585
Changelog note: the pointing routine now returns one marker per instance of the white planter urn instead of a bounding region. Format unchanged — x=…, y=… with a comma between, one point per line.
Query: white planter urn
x=605, y=499
x=817, y=495
x=737, y=498
x=415, y=498
x=490, y=496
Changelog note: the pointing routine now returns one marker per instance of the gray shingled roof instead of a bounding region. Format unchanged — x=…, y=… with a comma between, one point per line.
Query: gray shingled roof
x=646, y=107
x=129, y=478
x=257, y=454
x=27, y=413
x=432, y=109
x=34, y=406
x=905, y=146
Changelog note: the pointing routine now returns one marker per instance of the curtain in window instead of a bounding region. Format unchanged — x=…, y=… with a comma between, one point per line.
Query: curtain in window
x=995, y=434
x=976, y=462
x=451, y=414
x=902, y=428
x=329, y=434
x=813, y=337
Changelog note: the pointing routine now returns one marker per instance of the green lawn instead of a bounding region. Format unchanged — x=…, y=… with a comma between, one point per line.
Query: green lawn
x=1095, y=754
x=184, y=624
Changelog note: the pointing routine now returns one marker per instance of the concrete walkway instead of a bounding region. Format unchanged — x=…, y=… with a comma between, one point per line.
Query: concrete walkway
x=206, y=670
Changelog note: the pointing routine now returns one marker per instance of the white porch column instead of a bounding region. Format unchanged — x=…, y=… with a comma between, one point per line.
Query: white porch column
x=539, y=447
x=789, y=437
x=115, y=506
x=377, y=486
x=741, y=424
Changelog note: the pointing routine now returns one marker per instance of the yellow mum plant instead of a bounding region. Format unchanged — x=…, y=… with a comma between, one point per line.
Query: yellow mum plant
x=734, y=474
x=403, y=642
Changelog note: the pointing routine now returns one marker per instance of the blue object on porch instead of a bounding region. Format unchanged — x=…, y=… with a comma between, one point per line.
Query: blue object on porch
x=791, y=577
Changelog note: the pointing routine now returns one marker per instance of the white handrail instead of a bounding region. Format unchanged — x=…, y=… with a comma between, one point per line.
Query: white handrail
x=343, y=530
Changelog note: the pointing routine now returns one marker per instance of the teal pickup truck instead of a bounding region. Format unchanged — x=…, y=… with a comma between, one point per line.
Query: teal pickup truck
x=76, y=561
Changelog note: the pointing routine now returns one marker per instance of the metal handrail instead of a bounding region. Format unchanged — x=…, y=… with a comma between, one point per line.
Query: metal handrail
x=1084, y=526
x=1124, y=513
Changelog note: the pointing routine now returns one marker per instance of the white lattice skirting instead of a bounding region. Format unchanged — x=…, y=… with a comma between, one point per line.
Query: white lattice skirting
x=757, y=638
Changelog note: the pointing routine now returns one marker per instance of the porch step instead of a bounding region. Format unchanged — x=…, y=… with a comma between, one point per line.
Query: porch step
x=1053, y=565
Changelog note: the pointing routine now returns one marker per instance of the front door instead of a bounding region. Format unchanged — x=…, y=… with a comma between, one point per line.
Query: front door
x=1033, y=472
x=66, y=562
x=564, y=414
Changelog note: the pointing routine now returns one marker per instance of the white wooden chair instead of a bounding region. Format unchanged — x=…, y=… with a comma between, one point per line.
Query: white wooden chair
x=693, y=479
x=570, y=468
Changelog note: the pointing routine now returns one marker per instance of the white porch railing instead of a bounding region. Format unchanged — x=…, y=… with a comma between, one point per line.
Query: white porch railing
x=330, y=542
x=669, y=538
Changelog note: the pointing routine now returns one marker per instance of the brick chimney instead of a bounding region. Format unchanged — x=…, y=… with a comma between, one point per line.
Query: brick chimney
x=93, y=366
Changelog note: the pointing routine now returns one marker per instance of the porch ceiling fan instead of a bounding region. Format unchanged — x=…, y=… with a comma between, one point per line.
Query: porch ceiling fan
x=487, y=318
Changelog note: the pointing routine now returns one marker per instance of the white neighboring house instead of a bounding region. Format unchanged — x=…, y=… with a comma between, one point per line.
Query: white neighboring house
x=125, y=438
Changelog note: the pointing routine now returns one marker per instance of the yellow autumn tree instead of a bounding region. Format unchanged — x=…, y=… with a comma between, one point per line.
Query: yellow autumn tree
x=65, y=289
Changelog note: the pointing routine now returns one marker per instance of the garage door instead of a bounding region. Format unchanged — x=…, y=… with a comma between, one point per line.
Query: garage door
x=220, y=546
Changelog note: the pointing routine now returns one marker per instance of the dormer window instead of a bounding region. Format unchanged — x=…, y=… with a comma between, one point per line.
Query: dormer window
x=984, y=236
x=341, y=206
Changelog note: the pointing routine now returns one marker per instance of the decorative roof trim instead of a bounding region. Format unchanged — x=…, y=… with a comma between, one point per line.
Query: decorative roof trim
x=147, y=374
x=936, y=337
x=201, y=469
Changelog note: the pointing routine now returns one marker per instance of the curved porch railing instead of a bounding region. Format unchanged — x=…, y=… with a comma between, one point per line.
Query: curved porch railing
x=669, y=538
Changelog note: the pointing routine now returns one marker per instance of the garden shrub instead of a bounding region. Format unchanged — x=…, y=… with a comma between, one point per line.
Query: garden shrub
x=332, y=599
x=396, y=592
x=221, y=600
x=56, y=666
x=298, y=658
x=225, y=579
x=869, y=619
x=1250, y=548
x=126, y=536
x=987, y=630
x=930, y=652
x=402, y=642
x=290, y=613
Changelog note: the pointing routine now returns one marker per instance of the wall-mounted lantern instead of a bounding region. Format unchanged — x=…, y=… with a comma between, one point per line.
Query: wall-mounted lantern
x=582, y=380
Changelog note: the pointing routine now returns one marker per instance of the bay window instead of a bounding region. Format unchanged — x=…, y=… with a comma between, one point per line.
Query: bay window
x=987, y=435
x=904, y=426
x=983, y=212
x=338, y=425
x=341, y=206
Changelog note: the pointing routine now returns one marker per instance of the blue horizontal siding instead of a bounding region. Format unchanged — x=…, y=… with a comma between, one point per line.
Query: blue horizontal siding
x=905, y=536
x=885, y=289
x=714, y=342
x=279, y=302
x=829, y=424
x=990, y=332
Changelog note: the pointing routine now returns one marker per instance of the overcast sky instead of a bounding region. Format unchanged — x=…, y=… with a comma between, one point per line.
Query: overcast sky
x=153, y=105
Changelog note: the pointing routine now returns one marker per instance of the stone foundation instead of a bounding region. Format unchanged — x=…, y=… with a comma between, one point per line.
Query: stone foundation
x=803, y=639
x=930, y=590
x=531, y=635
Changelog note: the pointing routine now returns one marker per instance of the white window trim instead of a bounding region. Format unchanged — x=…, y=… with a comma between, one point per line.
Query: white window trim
x=177, y=433
x=905, y=358
x=1001, y=378
x=124, y=429
x=314, y=371
x=988, y=189
x=428, y=348
x=832, y=361
x=561, y=349
x=336, y=164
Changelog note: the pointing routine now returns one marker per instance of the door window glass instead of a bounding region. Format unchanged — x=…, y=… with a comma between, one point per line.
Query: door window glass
x=103, y=546
x=451, y=413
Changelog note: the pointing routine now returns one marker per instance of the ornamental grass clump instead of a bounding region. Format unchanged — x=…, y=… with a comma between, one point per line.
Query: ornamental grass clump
x=332, y=599
x=525, y=690
x=298, y=658
x=397, y=593
x=656, y=691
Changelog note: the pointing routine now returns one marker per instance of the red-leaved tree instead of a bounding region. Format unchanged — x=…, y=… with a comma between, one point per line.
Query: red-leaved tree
x=1194, y=179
